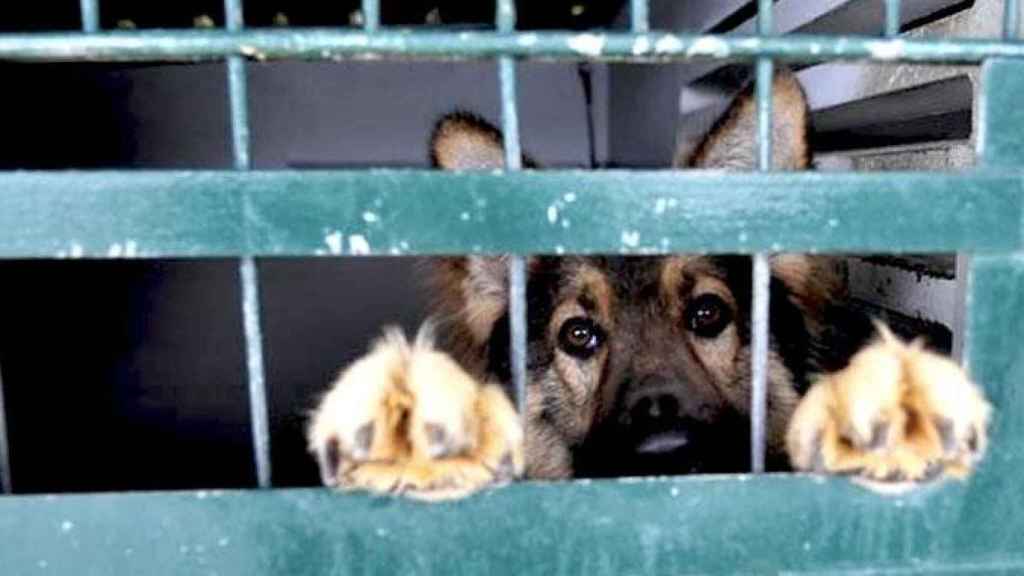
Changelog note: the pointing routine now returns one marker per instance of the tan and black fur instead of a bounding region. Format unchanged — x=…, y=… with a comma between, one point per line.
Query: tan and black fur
x=641, y=365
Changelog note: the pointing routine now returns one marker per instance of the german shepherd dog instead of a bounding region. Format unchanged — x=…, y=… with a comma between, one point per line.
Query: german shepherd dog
x=641, y=365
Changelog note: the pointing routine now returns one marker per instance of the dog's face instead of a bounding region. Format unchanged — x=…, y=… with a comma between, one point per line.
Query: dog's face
x=641, y=365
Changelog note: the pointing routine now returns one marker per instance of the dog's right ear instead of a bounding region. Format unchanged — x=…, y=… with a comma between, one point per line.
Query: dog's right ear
x=464, y=141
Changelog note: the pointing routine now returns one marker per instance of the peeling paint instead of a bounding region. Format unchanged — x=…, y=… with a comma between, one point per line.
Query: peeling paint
x=589, y=44
x=659, y=205
x=76, y=250
x=552, y=214
x=887, y=49
x=708, y=46
x=527, y=40
x=668, y=44
x=334, y=241
x=358, y=245
x=569, y=197
x=641, y=46
x=631, y=238
x=370, y=217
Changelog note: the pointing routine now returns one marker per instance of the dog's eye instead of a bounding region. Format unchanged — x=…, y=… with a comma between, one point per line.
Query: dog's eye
x=580, y=337
x=707, y=316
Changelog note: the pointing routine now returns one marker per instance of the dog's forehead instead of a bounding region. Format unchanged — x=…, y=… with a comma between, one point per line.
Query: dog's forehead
x=636, y=276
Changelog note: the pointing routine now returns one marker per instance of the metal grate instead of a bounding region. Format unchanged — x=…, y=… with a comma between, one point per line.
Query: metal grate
x=246, y=214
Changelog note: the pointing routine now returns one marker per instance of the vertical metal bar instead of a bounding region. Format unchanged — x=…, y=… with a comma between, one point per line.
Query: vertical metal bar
x=90, y=15
x=892, y=17
x=639, y=16
x=1011, y=19
x=6, y=485
x=248, y=273
x=761, y=266
x=506, y=22
x=371, y=15
x=963, y=265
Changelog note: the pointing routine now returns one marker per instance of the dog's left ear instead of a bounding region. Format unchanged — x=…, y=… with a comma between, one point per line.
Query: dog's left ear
x=732, y=142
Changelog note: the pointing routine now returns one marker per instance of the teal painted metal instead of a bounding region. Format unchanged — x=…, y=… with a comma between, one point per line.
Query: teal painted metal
x=691, y=525
x=371, y=15
x=639, y=19
x=90, y=15
x=104, y=214
x=1001, y=117
x=1011, y=19
x=892, y=18
x=248, y=273
x=326, y=44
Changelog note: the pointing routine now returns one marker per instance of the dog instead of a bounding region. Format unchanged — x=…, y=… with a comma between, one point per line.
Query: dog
x=640, y=365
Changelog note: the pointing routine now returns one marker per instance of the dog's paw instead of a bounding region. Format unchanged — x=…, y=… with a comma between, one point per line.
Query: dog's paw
x=408, y=419
x=897, y=414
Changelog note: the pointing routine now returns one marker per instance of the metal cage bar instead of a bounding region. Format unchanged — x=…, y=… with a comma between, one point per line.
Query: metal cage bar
x=6, y=483
x=90, y=15
x=761, y=275
x=639, y=16
x=371, y=15
x=247, y=270
x=1011, y=19
x=892, y=18
x=328, y=44
x=506, y=21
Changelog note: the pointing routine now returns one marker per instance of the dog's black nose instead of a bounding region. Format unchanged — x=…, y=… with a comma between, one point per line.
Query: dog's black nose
x=657, y=423
x=653, y=408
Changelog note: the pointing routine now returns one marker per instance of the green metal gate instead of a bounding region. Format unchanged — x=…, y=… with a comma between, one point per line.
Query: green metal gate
x=746, y=524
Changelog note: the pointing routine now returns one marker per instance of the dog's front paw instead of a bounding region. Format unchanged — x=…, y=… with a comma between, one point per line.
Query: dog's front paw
x=896, y=414
x=408, y=419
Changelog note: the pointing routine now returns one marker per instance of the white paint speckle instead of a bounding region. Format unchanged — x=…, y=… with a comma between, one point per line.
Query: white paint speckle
x=631, y=238
x=223, y=542
x=776, y=247
x=641, y=46
x=114, y=251
x=552, y=214
x=67, y=526
x=370, y=217
x=464, y=216
x=833, y=223
x=403, y=245
x=569, y=197
x=668, y=44
x=527, y=40
x=559, y=249
x=202, y=494
x=743, y=237
x=131, y=248
x=807, y=546
x=566, y=223
x=334, y=241
x=382, y=532
x=76, y=250
x=708, y=46
x=887, y=49
x=674, y=491
x=358, y=245
x=659, y=205
x=183, y=549
x=589, y=44
x=42, y=564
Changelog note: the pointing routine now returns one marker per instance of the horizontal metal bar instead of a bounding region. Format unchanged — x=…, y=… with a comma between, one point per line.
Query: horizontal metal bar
x=690, y=525
x=323, y=44
x=117, y=214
